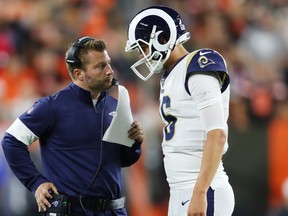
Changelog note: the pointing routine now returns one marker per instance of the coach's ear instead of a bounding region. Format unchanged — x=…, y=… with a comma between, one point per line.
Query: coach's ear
x=79, y=74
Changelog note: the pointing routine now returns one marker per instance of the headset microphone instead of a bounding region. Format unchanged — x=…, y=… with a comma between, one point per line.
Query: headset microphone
x=115, y=82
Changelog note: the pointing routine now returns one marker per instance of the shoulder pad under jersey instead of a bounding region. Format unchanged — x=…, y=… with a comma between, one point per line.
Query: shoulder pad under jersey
x=208, y=60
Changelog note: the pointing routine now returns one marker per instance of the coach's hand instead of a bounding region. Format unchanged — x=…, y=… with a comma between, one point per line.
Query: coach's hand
x=43, y=193
x=136, y=132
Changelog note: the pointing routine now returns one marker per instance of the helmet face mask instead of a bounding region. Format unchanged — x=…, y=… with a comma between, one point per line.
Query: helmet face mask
x=159, y=29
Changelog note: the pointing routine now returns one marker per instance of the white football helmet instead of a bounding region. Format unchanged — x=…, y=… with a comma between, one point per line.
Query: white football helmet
x=159, y=29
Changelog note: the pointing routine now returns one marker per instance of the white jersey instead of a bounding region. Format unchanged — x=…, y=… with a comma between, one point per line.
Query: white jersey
x=184, y=135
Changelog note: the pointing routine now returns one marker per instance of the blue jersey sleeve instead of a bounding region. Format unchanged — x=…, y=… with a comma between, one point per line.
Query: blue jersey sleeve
x=208, y=60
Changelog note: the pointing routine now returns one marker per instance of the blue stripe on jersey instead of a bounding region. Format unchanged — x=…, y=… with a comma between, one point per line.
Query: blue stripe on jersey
x=210, y=201
x=207, y=60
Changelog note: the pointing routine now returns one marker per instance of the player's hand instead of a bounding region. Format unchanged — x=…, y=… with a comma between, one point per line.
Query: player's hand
x=136, y=132
x=198, y=204
x=43, y=193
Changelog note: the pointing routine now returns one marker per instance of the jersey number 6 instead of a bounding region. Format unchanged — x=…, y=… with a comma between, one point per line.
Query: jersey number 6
x=169, y=129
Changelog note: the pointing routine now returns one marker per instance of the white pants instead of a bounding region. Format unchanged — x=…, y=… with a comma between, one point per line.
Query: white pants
x=220, y=201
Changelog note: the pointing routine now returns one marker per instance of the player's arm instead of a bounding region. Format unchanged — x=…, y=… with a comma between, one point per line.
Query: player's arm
x=208, y=98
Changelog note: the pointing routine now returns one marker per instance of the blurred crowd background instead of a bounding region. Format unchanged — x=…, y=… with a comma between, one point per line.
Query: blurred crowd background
x=252, y=35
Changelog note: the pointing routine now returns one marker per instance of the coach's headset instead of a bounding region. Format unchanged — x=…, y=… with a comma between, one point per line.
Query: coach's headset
x=74, y=50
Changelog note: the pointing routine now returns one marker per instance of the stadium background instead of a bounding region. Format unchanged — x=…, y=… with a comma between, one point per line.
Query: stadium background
x=252, y=36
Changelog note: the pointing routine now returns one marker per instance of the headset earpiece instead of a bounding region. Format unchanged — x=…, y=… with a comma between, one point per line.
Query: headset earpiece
x=73, y=51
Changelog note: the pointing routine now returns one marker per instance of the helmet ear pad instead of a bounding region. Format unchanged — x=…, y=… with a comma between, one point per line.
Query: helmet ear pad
x=162, y=39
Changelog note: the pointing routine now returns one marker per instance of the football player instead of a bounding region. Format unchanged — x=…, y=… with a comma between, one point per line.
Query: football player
x=194, y=105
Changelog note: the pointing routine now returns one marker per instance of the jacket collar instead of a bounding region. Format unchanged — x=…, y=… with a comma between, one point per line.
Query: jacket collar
x=83, y=94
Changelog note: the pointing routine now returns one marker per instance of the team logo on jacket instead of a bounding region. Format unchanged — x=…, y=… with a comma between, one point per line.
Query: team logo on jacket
x=114, y=113
x=30, y=110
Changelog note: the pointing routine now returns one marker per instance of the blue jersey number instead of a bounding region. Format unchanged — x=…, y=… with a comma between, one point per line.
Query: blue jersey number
x=169, y=129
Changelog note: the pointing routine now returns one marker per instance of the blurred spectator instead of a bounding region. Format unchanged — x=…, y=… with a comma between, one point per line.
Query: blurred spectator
x=283, y=209
x=277, y=152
